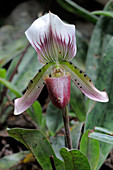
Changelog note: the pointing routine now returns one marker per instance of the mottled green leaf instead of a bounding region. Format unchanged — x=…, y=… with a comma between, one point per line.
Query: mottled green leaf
x=90, y=147
x=54, y=119
x=102, y=33
x=102, y=114
x=8, y=161
x=74, y=159
x=38, y=144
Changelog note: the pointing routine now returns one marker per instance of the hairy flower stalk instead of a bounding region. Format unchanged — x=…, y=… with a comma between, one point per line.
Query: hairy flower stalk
x=55, y=44
x=68, y=142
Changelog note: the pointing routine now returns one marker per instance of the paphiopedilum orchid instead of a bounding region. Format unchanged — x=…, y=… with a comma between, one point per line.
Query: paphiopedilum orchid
x=55, y=43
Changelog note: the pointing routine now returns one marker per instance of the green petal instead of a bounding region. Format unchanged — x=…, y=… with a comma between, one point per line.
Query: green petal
x=34, y=88
x=84, y=83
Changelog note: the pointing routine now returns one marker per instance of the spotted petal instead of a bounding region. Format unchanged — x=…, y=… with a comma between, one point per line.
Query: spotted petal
x=84, y=83
x=53, y=39
x=34, y=88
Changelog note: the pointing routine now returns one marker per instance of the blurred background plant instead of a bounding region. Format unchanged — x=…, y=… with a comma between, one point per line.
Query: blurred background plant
x=19, y=64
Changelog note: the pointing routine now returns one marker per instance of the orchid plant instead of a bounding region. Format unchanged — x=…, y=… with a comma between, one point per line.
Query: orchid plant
x=87, y=130
x=55, y=44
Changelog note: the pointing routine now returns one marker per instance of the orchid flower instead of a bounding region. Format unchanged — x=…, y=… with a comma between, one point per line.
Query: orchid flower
x=55, y=44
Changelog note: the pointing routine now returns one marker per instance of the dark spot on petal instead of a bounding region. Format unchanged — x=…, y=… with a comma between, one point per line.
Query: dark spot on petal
x=80, y=87
x=31, y=81
x=75, y=79
x=59, y=52
x=81, y=71
x=39, y=70
x=50, y=75
x=85, y=75
x=43, y=83
x=26, y=87
x=46, y=63
x=78, y=83
x=70, y=62
x=90, y=80
x=38, y=86
x=75, y=67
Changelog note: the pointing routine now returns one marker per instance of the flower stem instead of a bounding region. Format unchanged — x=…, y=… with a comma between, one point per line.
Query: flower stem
x=52, y=162
x=68, y=142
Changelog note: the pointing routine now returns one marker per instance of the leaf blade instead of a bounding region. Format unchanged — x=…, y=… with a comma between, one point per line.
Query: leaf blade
x=74, y=159
x=105, y=13
x=38, y=144
x=91, y=149
x=101, y=115
x=11, y=86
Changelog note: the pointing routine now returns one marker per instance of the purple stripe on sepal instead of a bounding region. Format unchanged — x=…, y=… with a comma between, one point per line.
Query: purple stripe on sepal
x=53, y=39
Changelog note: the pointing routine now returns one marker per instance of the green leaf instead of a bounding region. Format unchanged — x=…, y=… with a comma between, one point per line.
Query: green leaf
x=101, y=134
x=54, y=119
x=76, y=9
x=100, y=38
x=90, y=147
x=74, y=159
x=102, y=130
x=57, y=143
x=36, y=113
x=8, y=161
x=11, y=86
x=12, y=50
x=102, y=113
x=106, y=13
x=82, y=47
x=38, y=144
x=101, y=137
x=2, y=75
x=5, y=111
x=28, y=67
x=77, y=103
x=2, y=72
x=76, y=134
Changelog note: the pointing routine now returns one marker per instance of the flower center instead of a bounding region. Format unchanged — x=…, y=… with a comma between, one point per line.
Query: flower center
x=57, y=72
